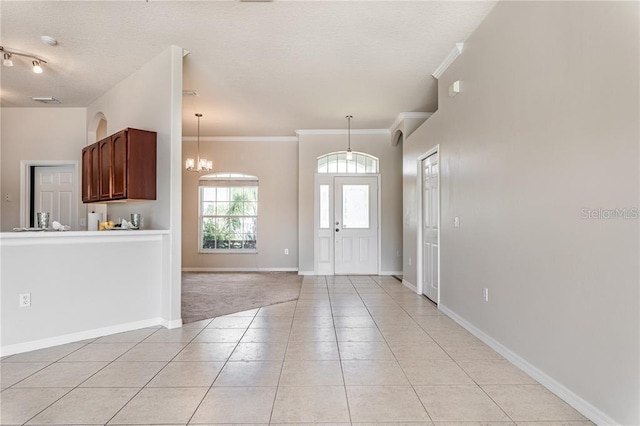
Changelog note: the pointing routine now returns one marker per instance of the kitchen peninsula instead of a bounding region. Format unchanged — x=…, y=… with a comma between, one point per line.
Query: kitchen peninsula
x=82, y=284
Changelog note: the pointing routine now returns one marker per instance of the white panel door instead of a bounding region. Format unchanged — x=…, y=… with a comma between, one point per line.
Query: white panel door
x=54, y=191
x=356, y=225
x=430, y=222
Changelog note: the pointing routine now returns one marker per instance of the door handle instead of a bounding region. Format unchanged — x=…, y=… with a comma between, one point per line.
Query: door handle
x=337, y=229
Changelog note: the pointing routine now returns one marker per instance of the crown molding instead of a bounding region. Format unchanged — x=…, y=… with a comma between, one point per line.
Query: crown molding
x=342, y=132
x=448, y=60
x=241, y=139
x=411, y=115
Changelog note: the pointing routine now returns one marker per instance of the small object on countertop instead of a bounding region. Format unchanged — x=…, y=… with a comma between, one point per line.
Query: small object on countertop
x=126, y=225
x=136, y=220
x=60, y=227
x=93, y=221
x=42, y=219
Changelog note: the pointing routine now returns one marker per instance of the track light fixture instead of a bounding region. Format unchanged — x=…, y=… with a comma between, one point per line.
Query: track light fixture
x=36, y=60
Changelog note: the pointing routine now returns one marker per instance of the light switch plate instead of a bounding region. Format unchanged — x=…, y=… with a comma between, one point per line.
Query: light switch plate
x=456, y=222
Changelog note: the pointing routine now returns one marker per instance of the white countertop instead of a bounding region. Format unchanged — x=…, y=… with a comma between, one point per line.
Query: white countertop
x=81, y=234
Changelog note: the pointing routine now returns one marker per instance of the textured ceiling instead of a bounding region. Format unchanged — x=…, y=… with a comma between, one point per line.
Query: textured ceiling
x=261, y=69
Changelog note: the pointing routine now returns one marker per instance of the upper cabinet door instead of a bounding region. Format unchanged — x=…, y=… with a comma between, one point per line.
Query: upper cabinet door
x=106, y=170
x=94, y=172
x=86, y=174
x=119, y=165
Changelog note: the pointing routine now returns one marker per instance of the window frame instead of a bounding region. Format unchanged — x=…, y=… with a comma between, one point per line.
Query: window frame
x=226, y=180
x=348, y=167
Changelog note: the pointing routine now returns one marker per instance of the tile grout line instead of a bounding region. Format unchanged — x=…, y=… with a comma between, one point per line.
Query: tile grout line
x=335, y=332
x=61, y=396
x=223, y=365
x=449, y=355
x=275, y=396
x=156, y=374
x=393, y=353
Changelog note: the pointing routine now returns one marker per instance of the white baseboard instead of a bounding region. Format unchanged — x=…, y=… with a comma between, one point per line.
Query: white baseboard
x=390, y=272
x=171, y=324
x=84, y=335
x=584, y=407
x=307, y=273
x=250, y=269
x=409, y=285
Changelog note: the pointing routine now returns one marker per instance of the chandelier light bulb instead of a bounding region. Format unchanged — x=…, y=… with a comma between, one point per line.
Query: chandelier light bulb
x=7, y=62
x=36, y=67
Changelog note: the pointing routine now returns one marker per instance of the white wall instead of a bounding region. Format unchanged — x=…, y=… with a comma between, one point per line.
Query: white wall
x=80, y=282
x=36, y=134
x=547, y=124
x=311, y=146
x=275, y=163
x=151, y=99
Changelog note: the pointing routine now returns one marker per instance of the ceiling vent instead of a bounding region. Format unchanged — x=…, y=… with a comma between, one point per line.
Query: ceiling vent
x=189, y=93
x=45, y=99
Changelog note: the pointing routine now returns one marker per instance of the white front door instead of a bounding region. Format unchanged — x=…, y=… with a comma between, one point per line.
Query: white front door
x=430, y=222
x=356, y=225
x=346, y=225
x=54, y=192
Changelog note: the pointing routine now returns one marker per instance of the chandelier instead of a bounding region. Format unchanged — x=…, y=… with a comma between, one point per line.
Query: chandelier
x=199, y=165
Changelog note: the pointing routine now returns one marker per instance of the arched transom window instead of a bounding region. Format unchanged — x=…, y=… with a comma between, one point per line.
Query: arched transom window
x=336, y=162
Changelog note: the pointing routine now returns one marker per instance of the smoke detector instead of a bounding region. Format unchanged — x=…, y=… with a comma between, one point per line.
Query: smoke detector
x=50, y=41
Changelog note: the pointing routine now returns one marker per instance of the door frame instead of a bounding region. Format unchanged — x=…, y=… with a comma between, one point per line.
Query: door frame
x=420, y=198
x=25, y=186
x=316, y=217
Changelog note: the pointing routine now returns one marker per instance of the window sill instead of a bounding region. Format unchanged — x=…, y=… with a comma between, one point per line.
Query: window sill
x=227, y=251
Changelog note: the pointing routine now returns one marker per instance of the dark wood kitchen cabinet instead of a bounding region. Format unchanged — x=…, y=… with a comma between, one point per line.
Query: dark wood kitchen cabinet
x=90, y=175
x=120, y=167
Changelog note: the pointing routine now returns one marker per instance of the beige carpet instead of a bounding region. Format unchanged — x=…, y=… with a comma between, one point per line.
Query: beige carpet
x=208, y=295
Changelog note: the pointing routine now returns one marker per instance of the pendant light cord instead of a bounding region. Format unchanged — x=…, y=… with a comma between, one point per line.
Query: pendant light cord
x=198, y=160
x=349, y=117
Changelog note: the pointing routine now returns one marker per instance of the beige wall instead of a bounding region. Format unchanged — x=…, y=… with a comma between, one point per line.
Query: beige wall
x=276, y=166
x=546, y=125
x=37, y=134
x=145, y=101
x=314, y=145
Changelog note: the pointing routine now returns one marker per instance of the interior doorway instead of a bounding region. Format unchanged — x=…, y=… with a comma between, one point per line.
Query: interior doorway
x=50, y=186
x=430, y=226
x=347, y=224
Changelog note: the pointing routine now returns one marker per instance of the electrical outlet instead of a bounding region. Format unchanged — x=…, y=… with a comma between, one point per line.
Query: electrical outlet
x=83, y=222
x=485, y=294
x=456, y=222
x=286, y=251
x=25, y=300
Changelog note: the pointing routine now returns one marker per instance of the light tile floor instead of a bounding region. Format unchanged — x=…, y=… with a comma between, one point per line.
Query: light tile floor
x=351, y=350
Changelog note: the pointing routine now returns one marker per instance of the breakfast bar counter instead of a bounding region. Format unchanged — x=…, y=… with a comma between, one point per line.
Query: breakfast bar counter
x=83, y=284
